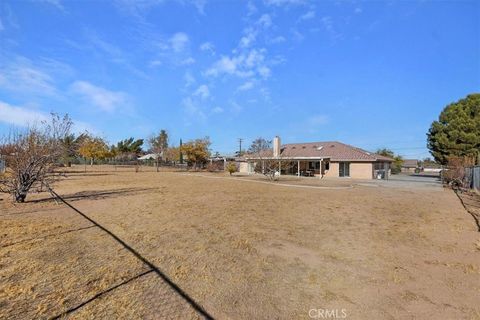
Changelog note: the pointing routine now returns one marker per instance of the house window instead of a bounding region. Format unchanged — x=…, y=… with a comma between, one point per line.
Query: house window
x=344, y=169
x=327, y=165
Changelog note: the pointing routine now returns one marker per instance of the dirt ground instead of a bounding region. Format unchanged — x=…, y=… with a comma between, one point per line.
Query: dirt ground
x=240, y=247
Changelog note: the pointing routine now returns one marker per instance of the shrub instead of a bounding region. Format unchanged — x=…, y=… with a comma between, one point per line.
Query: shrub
x=231, y=168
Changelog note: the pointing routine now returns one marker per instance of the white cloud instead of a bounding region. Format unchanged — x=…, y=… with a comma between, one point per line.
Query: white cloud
x=179, y=41
x=242, y=65
x=193, y=110
x=189, y=79
x=279, y=3
x=200, y=5
x=20, y=116
x=104, y=99
x=246, y=86
x=224, y=65
x=329, y=27
x=265, y=21
x=307, y=16
x=173, y=50
x=264, y=71
x=24, y=117
x=202, y=92
x=249, y=38
x=23, y=76
x=187, y=61
x=55, y=3
x=208, y=46
x=358, y=10
x=251, y=9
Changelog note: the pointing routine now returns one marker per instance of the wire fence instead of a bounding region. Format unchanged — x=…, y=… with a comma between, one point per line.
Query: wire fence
x=472, y=177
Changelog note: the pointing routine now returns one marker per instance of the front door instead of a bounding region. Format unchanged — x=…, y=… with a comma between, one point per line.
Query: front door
x=344, y=169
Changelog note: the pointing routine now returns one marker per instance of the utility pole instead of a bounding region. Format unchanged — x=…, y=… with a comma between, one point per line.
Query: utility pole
x=240, y=147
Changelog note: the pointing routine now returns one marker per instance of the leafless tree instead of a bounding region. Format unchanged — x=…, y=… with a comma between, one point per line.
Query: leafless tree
x=265, y=163
x=31, y=156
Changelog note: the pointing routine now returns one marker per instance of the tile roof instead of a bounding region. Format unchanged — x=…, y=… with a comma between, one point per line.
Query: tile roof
x=410, y=163
x=334, y=150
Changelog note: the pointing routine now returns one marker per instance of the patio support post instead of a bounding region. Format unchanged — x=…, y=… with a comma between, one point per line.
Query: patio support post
x=263, y=166
x=321, y=169
x=279, y=167
x=298, y=168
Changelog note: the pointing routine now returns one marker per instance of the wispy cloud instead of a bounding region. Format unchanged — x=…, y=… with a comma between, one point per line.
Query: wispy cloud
x=104, y=99
x=56, y=3
x=20, y=116
x=208, y=46
x=277, y=39
x=173, y=51
x=22, y=75
x=307, y=16
x=202, y=92
x=328, y=24
x=27, y=116
x=242, y=65
x=193, y=109
x=179, y=41
x=189, y=79
x=246, y=86
x=279, y=3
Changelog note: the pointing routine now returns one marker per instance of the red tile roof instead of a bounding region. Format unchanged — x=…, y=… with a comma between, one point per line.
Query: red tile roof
x=333, y=150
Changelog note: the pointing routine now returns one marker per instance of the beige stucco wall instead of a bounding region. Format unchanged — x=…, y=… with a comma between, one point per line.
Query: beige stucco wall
x=361, y=170
x=333, y=171
x=358, y=170
x=245, y=167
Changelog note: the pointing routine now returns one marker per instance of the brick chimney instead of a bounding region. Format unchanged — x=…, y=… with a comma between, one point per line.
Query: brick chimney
x=276, y=146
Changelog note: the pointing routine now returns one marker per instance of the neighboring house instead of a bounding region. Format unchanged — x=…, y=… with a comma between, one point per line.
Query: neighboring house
x=328, y=158
x=150, y=156
x=409, y=165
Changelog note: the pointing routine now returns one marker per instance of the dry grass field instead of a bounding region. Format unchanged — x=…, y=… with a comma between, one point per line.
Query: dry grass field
x=241, y=248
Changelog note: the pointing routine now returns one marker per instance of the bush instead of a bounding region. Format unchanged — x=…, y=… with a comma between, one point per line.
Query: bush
x=231, y=168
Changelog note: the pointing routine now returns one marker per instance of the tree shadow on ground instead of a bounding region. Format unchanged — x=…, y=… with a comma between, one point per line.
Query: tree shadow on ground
x=98, y=195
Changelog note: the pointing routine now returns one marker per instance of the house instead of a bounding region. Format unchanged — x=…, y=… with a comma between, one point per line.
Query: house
x=323, y=159
x=409, y=165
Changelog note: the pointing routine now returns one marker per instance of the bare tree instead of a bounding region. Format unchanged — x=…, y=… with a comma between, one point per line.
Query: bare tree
x=159, y=145
x=32, y=155
x=266, y=164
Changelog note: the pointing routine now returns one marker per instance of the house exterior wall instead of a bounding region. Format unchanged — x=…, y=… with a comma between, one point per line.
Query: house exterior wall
x=361, y=170
x=333, y=171
x=358, y=170
x=245, y=167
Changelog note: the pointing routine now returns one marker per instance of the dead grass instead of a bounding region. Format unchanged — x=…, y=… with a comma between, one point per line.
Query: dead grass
x=243, y=250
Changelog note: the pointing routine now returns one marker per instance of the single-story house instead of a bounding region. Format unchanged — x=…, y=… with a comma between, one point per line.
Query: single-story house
x=409, y=165
x=323, y=159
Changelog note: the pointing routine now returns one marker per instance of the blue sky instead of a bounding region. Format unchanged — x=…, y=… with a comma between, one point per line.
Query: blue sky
x=371, y=74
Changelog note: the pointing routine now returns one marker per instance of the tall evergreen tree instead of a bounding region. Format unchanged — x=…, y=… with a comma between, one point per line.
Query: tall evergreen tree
x=457, y=131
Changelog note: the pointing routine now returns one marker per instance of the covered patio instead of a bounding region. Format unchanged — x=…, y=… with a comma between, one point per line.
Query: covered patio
x=301, y=167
